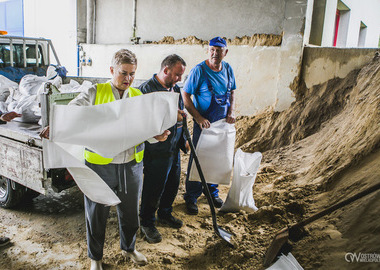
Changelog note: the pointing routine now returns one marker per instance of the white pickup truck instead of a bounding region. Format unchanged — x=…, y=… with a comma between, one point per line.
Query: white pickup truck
x=22, y=173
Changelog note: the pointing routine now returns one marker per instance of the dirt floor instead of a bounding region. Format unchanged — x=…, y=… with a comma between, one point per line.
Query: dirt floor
x=321, y=150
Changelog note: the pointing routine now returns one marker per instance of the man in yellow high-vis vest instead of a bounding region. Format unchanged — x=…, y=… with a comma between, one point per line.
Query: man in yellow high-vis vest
x=123, y=173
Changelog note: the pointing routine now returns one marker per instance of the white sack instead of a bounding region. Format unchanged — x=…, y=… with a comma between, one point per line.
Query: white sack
x=14, y=95
x=286, y=262
x=6, y=86
x=74, y=86
x=29, y=108
x=69, y=87
x=108, y=129
x=30, y=84
x=215, y=151
x=240, y=195
x=3, y=107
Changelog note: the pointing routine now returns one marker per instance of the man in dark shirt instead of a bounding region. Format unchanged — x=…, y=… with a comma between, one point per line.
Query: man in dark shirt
x=162, y=160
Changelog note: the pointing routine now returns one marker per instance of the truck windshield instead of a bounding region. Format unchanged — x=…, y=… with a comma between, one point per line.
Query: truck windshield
x=18, y=55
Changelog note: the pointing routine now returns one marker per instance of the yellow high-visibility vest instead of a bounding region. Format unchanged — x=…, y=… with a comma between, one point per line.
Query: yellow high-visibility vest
x=104, y=95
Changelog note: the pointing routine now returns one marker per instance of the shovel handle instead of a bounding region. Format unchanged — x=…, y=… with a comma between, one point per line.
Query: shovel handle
x=198, y=165
x=337, y=206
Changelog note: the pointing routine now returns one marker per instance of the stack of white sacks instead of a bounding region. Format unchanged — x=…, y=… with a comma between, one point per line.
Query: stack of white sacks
x=24, y=97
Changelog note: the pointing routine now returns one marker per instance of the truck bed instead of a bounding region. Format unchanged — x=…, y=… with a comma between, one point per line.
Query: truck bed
x=22, y=132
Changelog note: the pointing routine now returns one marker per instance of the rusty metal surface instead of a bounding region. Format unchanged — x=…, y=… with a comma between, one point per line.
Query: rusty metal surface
x=22, y=163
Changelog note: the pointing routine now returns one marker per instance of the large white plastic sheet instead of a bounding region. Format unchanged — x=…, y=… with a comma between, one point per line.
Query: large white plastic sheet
x=215, y=151
x=240, y=195
x=107, y=129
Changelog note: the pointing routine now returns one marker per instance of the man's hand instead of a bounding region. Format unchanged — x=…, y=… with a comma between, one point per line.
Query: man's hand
x=230, y=119
x=187, y=146
x=9, y=116
x=45, y=133
x=163, y=136
x=180, y=115
x=203, y=122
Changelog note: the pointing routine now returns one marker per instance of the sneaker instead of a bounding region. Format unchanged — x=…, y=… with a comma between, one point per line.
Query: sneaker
x=218, y=202
x=192, y=208
x=171, y=221
x=96, y=265
x=135, y=257
x=4, y=241
x=152, y=235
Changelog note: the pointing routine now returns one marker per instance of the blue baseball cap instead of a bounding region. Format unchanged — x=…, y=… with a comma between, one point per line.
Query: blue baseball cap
x=218, y=42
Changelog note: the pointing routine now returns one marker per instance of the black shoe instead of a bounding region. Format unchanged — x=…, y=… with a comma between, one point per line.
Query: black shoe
x=218, y=202
x=192, y=208
x=171, y=221
x=152, y=235
x=4, y=241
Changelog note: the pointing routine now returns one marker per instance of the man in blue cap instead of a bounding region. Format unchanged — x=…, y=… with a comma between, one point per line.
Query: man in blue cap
x=212, y=84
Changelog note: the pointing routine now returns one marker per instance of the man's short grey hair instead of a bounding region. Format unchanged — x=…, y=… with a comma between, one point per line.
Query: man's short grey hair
x=124, y=56
x=171, y=60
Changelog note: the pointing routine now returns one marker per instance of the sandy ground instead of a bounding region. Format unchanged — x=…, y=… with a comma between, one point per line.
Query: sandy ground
x=320, y=151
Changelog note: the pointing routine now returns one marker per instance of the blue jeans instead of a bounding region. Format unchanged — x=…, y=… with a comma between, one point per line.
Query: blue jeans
x=161, y=182
x=194, y=189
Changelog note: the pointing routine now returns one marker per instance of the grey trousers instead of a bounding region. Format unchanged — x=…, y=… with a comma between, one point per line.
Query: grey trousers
x=126, y=181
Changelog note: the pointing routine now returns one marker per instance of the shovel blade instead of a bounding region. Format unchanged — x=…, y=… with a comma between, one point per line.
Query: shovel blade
x=279, y=240
x=226, y=236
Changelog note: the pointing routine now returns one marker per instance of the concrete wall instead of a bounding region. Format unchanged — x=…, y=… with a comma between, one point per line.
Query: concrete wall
x=264, y=75
x=181, y=18
x=256, y=87
x=323, y=64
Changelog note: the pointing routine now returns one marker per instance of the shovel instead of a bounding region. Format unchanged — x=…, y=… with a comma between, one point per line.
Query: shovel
x=226, y=236
x=293, y=232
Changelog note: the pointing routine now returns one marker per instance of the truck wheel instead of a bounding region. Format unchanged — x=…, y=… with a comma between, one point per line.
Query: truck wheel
x=30, y=194
x=9, y=197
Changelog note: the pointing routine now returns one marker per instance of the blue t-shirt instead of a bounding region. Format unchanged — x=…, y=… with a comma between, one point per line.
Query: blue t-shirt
x=196, y=84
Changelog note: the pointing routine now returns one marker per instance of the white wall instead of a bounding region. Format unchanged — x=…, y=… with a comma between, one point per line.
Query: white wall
x=256, y=87
x=367, y=11
x=55, y=20
x=264, y=75
x=182, y=18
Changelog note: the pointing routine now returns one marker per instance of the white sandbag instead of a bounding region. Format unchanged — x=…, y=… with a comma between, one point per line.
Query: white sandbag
x=51, y=72
x=67, y=88
x=14, y=95
x=30, y=84
x=74, y=86
x=3, y=107
x=57, y=82
x=28, y=107
x=6, y=86
x=240, y=195
x=215, y=151
x=124, y=123
x=286, y=262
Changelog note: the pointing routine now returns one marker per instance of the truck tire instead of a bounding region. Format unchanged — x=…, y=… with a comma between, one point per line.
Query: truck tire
x=9, y=197
x=30, y=194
